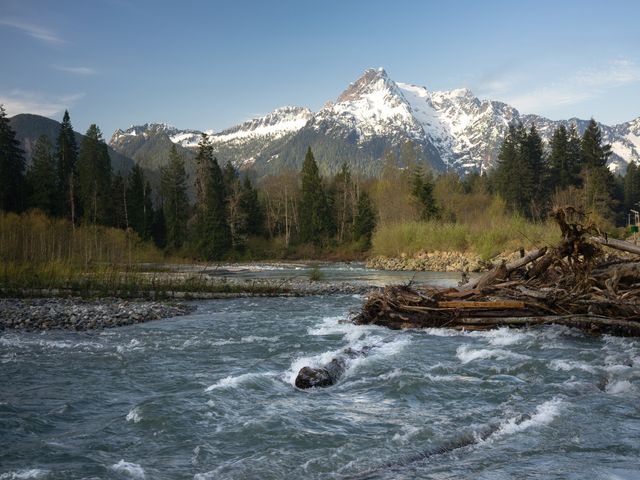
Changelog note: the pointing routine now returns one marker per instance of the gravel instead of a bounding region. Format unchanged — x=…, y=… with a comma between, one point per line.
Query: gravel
x=81, y=314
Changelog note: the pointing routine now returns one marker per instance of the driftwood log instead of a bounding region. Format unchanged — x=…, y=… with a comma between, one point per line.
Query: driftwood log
x=329, y=374
x=572, y=284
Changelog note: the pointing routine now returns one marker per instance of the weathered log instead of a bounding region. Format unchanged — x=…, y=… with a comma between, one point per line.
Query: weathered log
x=617, y=244
x=590, y=323
x=329, y=374
x=508, y=268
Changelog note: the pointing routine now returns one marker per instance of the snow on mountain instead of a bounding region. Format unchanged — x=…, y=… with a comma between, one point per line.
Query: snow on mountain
x=453, y=129
x=276, y=124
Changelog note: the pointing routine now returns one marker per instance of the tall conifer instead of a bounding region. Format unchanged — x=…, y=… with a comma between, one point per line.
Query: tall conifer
x=12, y=164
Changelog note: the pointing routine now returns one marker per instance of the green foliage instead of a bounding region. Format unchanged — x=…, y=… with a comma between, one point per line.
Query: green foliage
x=315, y=218
x=175, y=203
x=315, y=274
x=94, y=177
x=564, y=158
x=41, y=177
x=67, y=157
x=522, y=172
x=422, y=190
x=597, y=180
x=212, y=233
x=365, y=221
x=632, y=187
x=12, y=164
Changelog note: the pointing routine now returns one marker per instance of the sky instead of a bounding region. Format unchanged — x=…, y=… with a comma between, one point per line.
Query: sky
x=209, y=65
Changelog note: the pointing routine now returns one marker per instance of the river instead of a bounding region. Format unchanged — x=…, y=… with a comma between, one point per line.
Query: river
x=210, y=396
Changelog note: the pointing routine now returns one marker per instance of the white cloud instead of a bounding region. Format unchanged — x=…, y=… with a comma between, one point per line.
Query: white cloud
x=76, y=70
x=21, y=101
x=34, y=31
x=583, y=85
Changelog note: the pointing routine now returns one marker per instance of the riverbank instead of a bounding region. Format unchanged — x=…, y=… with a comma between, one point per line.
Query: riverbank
x=451, y=261
x=73, y=313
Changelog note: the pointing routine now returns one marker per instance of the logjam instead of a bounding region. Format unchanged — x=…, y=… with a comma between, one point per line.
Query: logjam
x=574, y=284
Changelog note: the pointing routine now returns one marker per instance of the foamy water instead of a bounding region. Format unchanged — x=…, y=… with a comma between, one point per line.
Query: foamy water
x=211, y=396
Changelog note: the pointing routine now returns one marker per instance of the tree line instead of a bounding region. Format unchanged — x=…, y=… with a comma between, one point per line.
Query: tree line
x=573, y=170
x=301, y=208
x=78, y=183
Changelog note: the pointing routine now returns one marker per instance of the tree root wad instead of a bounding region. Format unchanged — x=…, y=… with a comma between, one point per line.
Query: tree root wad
x=573, y=284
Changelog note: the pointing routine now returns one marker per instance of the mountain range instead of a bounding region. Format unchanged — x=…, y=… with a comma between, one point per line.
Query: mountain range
x=449, y=130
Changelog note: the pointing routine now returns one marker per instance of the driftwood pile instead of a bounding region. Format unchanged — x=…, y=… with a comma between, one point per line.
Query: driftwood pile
x=574, y=283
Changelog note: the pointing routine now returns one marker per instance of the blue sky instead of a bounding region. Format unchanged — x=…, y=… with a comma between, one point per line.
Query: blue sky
x=213, y=64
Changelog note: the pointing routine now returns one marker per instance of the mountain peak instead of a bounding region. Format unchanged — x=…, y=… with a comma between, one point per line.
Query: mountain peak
x=373, y=79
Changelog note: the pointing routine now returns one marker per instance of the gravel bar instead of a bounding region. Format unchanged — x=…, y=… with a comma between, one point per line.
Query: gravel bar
x=82, y=314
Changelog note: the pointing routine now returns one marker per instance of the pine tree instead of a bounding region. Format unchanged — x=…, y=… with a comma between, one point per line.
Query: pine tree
x=422, y=191
x=214, y=237
x=203, y=161
x=632, y=187
x=522, y=172
x=597, y=180
x=563, y=158
x=67, y=156
x=365, y=221
x=12, y=164
x=119, y=214
x=252, y=207
x=41, y=177
x=315, y=221
x=236, y=215
x=536, y=194
x=94, y=177
x=174, y=200
x=159, y=227
x=136, y=200
x=148, y=213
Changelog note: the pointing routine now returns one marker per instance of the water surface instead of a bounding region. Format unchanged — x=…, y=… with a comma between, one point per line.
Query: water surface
x=211, y=396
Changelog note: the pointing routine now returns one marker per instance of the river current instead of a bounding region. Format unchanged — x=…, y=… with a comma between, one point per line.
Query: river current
x=211, y=396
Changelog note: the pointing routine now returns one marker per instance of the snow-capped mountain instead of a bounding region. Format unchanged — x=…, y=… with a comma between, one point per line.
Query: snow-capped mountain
x=449, y=129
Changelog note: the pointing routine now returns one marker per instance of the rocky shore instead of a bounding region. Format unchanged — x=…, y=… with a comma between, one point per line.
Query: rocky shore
x=430, y=261
x=81, y=314
x=439, y=262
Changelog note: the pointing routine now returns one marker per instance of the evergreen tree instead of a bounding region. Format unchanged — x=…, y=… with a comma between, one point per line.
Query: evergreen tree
x=203, y=160
x=12, y=164
x=422, y=190
x=521, y=174
x=94, y=177
x=159, y=227
x=214, y=237
x=148, y=213
x=563, y=159
x=136, y=200
x=537, y=193
x=41, y=177
x=252, y=207
x=315, y=220
x=174, y=200
x=67, y=156
x=632, y=187
x=119, y=214
x=597, y=180
x=365, y=221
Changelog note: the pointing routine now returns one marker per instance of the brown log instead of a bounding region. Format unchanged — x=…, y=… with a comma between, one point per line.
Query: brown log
x=592, y=323
x=481, y=304
x=510, y=267
x=617, y=244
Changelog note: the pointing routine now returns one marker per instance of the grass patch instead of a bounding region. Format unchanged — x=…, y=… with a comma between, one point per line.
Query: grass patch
x=501, y=234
